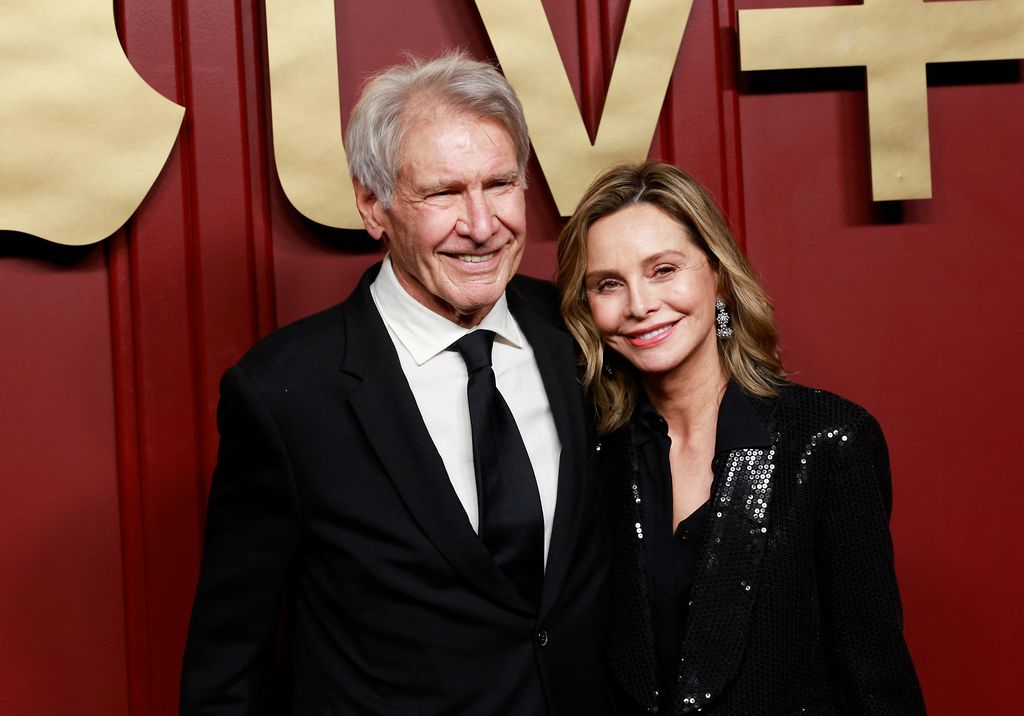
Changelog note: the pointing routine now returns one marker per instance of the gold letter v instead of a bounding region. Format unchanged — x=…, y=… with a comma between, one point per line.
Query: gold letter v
x=529, y=58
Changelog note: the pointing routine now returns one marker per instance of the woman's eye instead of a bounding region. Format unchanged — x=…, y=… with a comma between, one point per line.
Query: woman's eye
x=665, y=270
x=607, y=285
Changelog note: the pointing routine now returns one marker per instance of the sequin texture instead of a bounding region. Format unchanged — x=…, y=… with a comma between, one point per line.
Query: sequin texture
x=795, y=607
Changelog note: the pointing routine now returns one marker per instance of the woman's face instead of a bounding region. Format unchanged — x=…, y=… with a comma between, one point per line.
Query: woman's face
x=652, y=291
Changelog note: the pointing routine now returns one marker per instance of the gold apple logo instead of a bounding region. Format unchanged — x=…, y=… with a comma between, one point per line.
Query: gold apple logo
x=82, y=136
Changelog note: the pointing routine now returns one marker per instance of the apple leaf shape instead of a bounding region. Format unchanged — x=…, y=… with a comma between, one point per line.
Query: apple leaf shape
x=82, y=136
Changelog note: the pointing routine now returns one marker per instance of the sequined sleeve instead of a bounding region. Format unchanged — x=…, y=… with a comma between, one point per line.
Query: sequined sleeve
x=860, y=603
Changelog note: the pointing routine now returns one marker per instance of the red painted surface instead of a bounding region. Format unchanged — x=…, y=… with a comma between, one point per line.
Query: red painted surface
x=61, y=603
x=111, y=355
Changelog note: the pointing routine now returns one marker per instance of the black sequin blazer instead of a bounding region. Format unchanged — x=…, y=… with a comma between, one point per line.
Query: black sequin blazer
x=795, y=608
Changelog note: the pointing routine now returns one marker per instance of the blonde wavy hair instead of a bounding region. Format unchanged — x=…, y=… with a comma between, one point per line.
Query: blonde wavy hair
x=750, y=357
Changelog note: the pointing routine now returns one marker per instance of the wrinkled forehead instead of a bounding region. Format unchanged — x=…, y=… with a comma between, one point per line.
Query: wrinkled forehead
x=427, y=110
x=455, y=149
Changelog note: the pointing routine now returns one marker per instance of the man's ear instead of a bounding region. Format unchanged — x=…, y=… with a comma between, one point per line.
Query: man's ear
x=374, y=217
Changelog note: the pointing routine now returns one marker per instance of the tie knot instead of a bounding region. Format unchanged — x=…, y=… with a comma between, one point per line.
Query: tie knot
x=475, y=349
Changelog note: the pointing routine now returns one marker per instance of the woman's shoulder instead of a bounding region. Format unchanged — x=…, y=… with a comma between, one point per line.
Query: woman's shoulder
x=794, y=396
x=800, y=409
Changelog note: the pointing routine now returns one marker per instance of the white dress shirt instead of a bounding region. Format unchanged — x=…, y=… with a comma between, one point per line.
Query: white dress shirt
x=438, y=379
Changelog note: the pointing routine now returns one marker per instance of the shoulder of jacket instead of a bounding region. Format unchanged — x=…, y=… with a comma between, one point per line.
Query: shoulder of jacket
x=537, y=295
x=317, y=337
x=805, y=399
x=811, y=416
x=297, y=342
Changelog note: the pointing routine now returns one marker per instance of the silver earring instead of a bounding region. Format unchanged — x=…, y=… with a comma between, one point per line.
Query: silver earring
x=722, y=319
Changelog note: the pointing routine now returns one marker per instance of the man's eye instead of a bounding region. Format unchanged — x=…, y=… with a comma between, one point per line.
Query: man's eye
x=499, y=184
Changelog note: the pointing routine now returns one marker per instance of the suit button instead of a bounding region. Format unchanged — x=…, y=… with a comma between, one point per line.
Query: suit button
x=542, y=637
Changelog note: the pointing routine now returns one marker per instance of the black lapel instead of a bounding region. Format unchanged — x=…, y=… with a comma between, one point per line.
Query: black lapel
x=726, y=582
x=631, y=650
x=385, y=407
x=556, y=359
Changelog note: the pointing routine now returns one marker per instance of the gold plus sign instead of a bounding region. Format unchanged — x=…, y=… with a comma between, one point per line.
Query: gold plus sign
x=893, y=39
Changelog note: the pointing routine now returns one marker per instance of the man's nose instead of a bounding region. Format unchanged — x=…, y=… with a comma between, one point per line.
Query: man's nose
x=479, y=221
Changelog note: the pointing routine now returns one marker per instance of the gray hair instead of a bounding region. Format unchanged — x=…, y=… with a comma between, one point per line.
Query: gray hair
x=379, y=122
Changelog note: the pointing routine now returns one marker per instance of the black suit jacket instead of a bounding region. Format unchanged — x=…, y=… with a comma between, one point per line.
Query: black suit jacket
x=794, y=607
x=328, y=491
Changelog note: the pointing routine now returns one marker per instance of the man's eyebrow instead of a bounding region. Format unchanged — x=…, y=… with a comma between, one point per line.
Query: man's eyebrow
x=503, y=177
x=428, y=189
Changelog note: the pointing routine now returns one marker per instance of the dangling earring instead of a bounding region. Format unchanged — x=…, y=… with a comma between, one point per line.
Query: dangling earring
x=607, y=368
x=608, y=363
x=723, y=320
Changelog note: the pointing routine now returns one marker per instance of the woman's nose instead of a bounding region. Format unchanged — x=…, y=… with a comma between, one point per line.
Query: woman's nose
x=642, y=300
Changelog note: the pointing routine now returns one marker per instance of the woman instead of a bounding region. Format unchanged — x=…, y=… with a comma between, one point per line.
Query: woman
x=753, y=568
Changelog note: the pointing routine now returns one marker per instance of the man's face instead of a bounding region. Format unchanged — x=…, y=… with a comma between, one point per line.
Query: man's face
x=456, y=228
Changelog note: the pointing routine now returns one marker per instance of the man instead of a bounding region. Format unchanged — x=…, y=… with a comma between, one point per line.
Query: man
x=359, y=449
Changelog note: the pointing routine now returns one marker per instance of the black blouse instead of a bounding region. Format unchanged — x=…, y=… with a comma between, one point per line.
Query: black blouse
x=672, y=551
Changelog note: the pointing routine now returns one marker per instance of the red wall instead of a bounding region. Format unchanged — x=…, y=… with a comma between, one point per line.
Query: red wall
x=111, y=354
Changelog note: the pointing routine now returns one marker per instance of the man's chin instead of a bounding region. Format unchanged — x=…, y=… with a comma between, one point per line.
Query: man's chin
x=470, y=314
x=468, y=309
x=477, y=288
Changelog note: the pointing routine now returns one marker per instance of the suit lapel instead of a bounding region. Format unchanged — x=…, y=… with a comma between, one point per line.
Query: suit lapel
x=556, y=359
x=728, y=572
x=631, y=650
x=386, y=409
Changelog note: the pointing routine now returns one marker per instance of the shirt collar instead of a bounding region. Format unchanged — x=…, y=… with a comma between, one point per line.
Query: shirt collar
x=738, y=424
x=425, y=333
x=647, y=420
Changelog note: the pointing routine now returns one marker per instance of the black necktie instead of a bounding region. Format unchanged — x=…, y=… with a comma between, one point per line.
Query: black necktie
x=511, y=520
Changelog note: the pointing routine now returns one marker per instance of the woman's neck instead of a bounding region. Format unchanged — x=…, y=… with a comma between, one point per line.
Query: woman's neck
x=687, y=400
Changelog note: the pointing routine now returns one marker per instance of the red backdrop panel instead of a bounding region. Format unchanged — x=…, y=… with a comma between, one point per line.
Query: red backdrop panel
x=60, y=556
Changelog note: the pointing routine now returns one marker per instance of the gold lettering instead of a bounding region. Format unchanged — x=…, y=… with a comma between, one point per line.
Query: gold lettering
x=893, y=39
x=83, y=136
x=306, y=111
x=525, y=45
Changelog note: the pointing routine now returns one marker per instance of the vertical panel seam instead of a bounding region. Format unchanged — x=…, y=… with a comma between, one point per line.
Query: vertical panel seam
x=247, y=184
x=193, y=263
x=262, y=261
x=125, y=349
x=729, y=132
x=126, y=360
